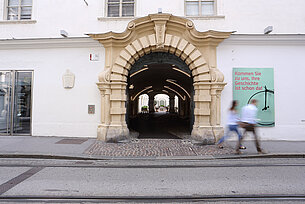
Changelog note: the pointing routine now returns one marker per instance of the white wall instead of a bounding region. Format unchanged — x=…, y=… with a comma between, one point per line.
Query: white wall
x=75, y=17
x=57, y=111
x=253, y=16
x=289, y=71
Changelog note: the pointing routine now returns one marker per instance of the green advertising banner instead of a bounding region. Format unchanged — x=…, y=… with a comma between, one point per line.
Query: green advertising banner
x=255, y=83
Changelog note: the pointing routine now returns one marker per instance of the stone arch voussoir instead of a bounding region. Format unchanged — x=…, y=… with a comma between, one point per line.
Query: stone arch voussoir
x=173, y=44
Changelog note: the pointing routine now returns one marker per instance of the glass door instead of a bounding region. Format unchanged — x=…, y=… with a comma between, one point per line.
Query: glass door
x=15, y=102
x=22, y=103
x=5, y=101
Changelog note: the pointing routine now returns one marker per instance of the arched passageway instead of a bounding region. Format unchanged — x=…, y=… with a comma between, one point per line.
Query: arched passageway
x=155, y=74
x=161, y=33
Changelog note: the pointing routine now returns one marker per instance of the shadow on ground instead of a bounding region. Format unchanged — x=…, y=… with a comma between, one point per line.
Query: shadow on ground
x=160, y=125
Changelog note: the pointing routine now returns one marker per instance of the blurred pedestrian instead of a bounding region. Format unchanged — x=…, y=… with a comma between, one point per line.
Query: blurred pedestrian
x=232, y=125
x=249, y=123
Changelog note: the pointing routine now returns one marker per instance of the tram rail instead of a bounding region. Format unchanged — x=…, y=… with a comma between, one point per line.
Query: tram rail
x=150, y=199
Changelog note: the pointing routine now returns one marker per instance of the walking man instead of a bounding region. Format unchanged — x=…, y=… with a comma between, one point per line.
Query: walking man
x=248, y=122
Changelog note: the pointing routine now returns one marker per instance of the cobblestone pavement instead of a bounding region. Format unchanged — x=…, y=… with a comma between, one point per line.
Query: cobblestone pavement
x=154, y=148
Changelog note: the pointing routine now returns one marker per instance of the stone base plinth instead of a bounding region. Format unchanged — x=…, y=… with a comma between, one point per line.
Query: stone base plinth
x=112, y=133
x=207, y=134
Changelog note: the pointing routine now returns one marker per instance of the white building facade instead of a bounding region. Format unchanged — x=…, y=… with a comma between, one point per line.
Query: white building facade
x=49, y=66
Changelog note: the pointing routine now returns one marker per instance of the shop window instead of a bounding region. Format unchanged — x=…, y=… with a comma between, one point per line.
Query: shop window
x=19, y=10
x=120, y=8
x=200, y=7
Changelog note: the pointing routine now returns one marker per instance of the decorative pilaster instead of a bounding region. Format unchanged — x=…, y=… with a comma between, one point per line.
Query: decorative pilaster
x=105, y=90
x=216, y=89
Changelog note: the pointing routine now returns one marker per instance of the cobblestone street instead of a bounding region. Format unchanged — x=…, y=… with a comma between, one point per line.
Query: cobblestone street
x=154, y=148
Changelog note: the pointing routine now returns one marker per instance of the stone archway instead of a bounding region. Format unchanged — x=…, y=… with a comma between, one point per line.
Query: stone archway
x=161, y=33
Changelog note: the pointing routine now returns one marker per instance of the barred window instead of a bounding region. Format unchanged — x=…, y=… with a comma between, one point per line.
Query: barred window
x=19, y=9
x=120, y=8
x=200, y=7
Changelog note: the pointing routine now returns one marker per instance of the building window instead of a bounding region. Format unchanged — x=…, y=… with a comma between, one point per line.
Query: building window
x=19, y=9
x=200, y=7
x=120, y=8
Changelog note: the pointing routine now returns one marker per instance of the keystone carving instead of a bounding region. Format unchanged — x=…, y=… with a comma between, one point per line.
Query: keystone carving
x=160, y=33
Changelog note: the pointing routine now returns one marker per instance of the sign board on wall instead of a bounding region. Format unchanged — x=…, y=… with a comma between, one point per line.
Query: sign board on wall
x=255, y=83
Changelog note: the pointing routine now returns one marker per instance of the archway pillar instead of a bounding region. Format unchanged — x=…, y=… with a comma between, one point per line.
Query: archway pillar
x=151, y=101
x=172, y=103
x=202, y=129
x=113, y=125
x=135, y=107
x=207, y=98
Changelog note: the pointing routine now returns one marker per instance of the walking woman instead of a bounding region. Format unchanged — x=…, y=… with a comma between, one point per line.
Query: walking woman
x=232, y=125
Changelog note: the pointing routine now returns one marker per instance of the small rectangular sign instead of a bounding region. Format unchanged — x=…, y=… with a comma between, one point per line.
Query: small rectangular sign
x=255, y=83
x=94, y=57
x=91, y=109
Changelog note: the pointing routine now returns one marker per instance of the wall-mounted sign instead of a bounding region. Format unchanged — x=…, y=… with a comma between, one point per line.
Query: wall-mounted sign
x=68, y=79
x=255, y=83
x=94, y=57
x=91, y=109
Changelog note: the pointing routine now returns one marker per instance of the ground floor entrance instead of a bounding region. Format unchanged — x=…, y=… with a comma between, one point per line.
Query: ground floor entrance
x=161, y=54
x=15, y=102
x=160, y=97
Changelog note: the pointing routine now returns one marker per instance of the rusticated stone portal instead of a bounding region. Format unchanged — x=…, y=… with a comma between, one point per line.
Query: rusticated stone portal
x=159, y=33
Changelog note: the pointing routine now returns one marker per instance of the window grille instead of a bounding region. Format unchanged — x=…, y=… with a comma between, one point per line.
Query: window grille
x=200, y=7
x=19, y=9
x=120, y=8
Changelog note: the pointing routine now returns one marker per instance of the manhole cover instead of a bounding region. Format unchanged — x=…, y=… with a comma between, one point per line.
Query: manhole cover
x=71, y=141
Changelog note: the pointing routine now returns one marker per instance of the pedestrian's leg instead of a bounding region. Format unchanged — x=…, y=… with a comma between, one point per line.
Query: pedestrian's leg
x=235, y=129
x=240, y=142
x=219, y=143
x=226, y=135
x=221, y=140
x=257, y=142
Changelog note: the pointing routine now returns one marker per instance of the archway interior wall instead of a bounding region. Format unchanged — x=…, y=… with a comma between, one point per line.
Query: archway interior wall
x=208, y=81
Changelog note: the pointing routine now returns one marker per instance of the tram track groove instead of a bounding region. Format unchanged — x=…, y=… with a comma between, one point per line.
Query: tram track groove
x=155, y=166
x=191, y=198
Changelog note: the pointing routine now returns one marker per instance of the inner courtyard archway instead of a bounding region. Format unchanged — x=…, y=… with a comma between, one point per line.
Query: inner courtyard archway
x=161, y=33
x=162, y=77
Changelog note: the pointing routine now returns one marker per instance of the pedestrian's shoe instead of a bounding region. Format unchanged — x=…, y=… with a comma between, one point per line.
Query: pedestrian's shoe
x=261, y=151
x=220, y=146
x=242, y=147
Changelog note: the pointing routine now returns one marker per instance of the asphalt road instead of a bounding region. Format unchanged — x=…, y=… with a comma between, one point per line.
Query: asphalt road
x=156, y=180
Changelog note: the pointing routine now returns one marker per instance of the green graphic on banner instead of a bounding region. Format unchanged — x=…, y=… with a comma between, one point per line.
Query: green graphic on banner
x=255, y=83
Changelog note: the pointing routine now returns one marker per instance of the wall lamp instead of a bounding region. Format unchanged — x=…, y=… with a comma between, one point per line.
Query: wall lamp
x=268, y=29
x=64, y=33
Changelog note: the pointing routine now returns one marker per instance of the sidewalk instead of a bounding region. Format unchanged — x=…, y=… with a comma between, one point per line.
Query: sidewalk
x=90, y=148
